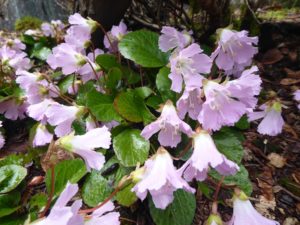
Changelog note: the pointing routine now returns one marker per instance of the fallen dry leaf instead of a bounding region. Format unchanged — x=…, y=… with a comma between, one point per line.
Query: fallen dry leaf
x=289, y=81
x=276, y=160
x=291, y=221
x=292, y=74
x=272, y=56
x=265, y=207
x=265, y=182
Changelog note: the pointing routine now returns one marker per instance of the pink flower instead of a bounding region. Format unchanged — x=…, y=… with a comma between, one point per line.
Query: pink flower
x=2, y=140
x=220, y=107
x=171, y=39
x=16, y=45
x=273, y=122
x=14, y=59
x=82, y=24
x=246, y=87
x=62, y=117
x=84, y=146
x=190, y=102
x=297, y=97
x=187, y=65
x=104, y=216
x=245, y=214
x=87, y=72
x=161, y=179
x=66, y=57
x=80, y=39
x=38, y=111
x=206, y=155
x=66, y=215
x=13, y=108
x=42, y=136
x=51, y=29
x=114, y=36
x=234, y=49
x=169, y=125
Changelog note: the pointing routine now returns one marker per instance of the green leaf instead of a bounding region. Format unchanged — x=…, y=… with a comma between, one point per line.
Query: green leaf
x=126, y=197
x=107, y=61
x=95, y=189
x=180, y=212
x=16, y=159
x=102, y=107
x=113, y=77
x=243, y=123
x=163, y=84
x=9, y=203
x=13, y=219
x=38, y=201
x=131, y=148
x=10, y=177
x=83, y=92
x=142, y=48
x=130, y=76
x=229, y=143
x=27, y=39
x=132, y=107
x=40, y=52
x=143, y=92
x=67, y=170
x=241, y=179
x=65, y=83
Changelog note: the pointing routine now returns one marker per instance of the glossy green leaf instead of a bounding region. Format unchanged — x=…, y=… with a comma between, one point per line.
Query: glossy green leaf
x=163, y=84
x=107, y=61
x=131, y=148
x=9, y=203
x=180, y=212
x=10, y=177
x=142, y=48
x=114, y=76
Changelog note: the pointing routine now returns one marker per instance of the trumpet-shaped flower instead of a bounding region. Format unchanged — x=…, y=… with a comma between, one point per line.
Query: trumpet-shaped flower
x=14, y=59
x=84, y=146
x=187, y=65
x=245, y=214
x=234, y=49
x=38, y=111
x=80, y=40
x=67, y=57
x=104, y=216
x=220, y=107
x=66, y=215
x=172, y=38
x=272, y=122
x=13, y=108
x=62, y=117
x=82, y=24
x=169, y=125
x=190, y=102
x=206, y=155
x=113, y=37
x=161, y=179
x=42, y=136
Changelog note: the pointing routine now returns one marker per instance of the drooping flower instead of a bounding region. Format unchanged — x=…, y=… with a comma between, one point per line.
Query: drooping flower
x=272, y=122
x=160, y=178
x=13, y=108
x=42, y=136
x=187, y=65
x=82, y=24
x=246, y=87
x=104, y=216
x=172, y=38
x=245, y=214
x=169, y=125
x=14, y=59
x=38, y=111
x=297, y=97
x=80, y=40
x=206, y=155
x=113, y=37
x=234, y=49
x=66, y=57
x=16, y=45
x=84, y=145
x=220, y=107
x=53, y=28
x=62, y=117
x=2, y=140
x=66, y=215
x=190, y=102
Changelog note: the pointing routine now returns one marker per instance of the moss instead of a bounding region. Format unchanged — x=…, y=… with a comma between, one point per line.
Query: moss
x=27, y=22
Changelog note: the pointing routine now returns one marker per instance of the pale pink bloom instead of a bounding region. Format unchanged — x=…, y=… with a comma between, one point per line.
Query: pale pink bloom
x=62, y=117
x=84, y=145
x=66, y=57
x=13, y=108
x=246, y=87
x=104, y=216
x=169, y=125
x=87, y=72
x=42, y=136
x=47, y=29
x=297, y=97
x=114, y=36
x=2, y=140
x=245, y=214
x=16, y=45
x=82, y=24
x=187, y=65
x=272, y=122
x=80, y=40
x=220, y=107
x=38, y=111
x=172, y=38
x=16, y=60
x=206, y=155
x=66, y=215
x=160, y=179
x=190, y=102
x=234, y=48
